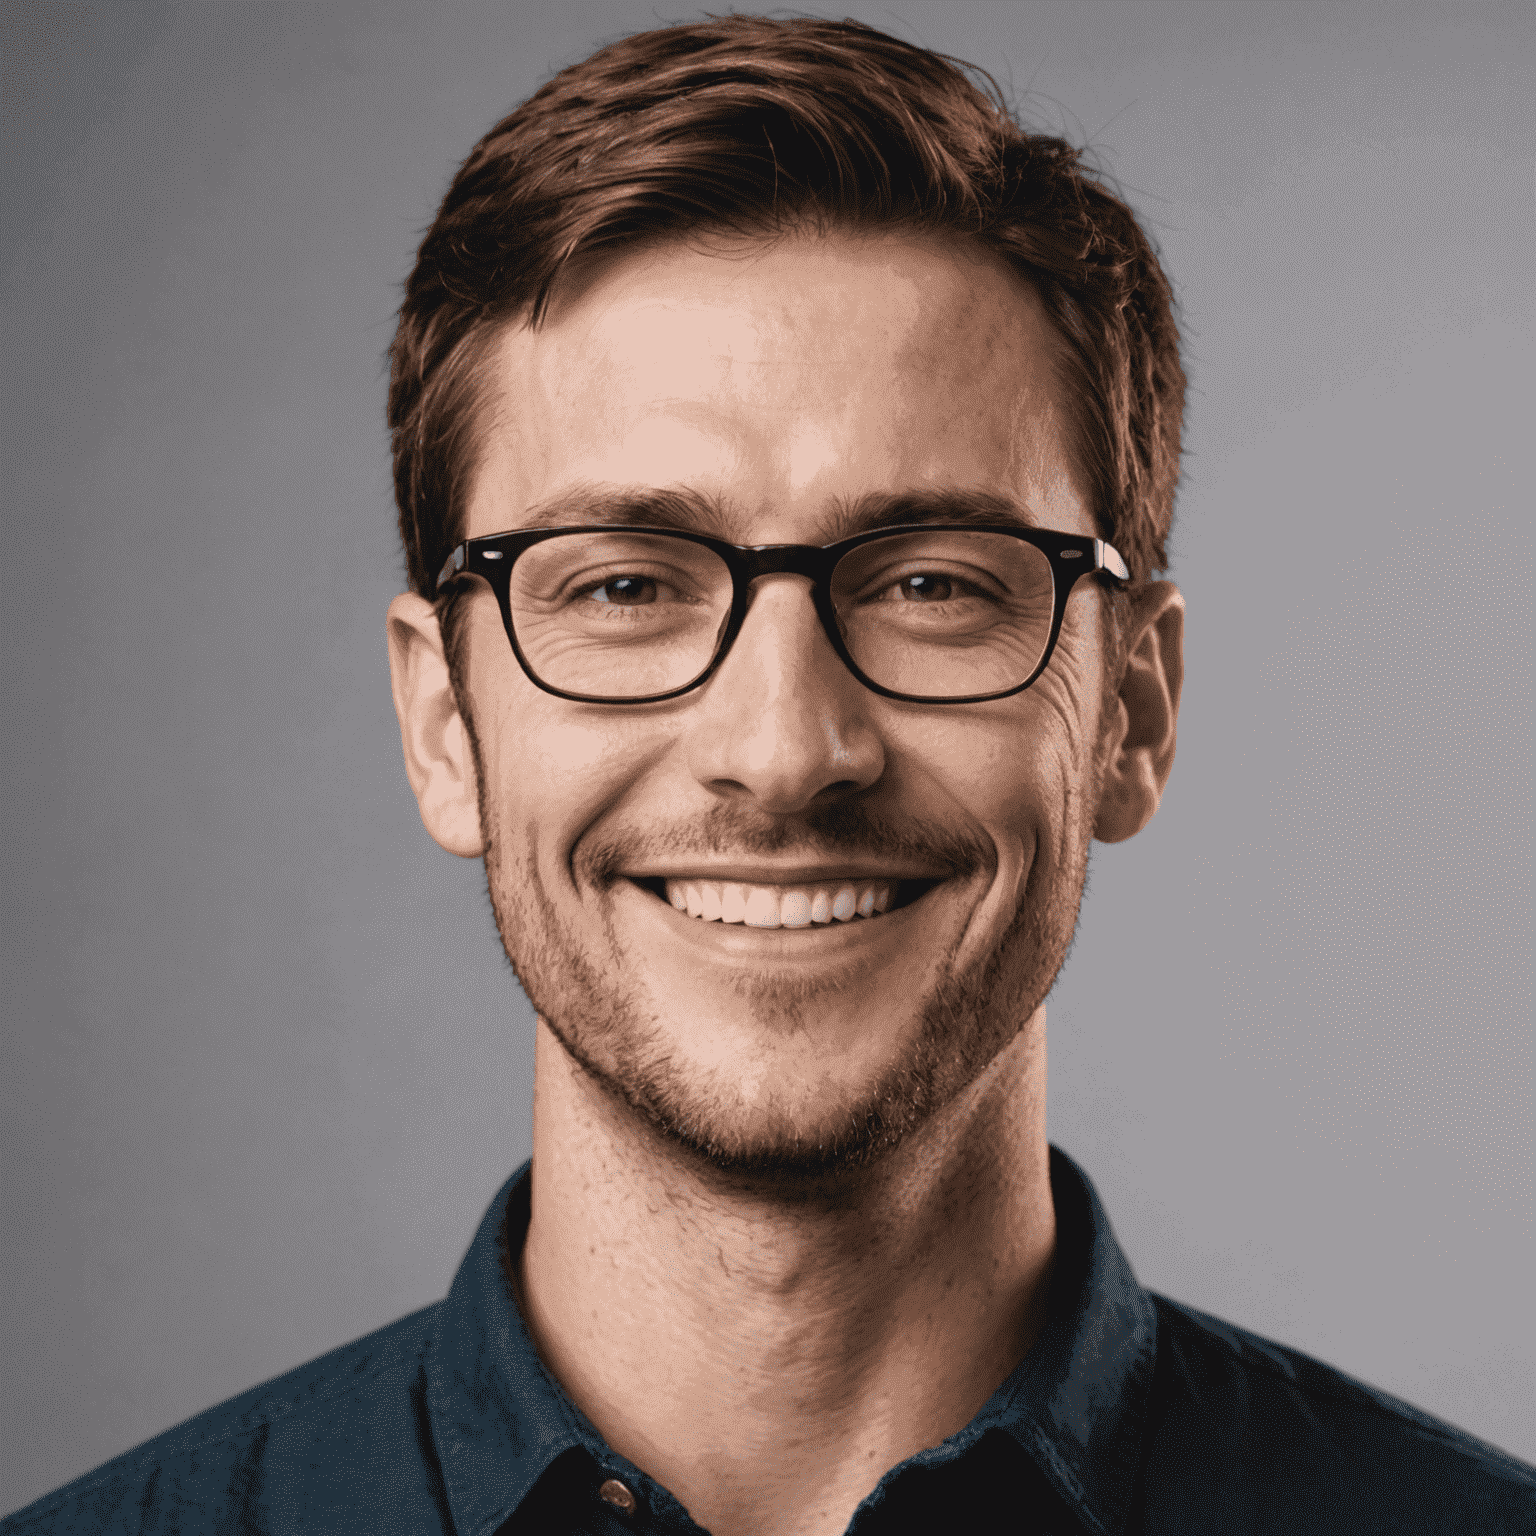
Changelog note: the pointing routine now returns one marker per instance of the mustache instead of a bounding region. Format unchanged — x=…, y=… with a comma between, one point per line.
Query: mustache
x=826, y=834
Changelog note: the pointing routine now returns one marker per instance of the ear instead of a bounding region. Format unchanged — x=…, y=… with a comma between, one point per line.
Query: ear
x=1139, y=747
x=439, y=760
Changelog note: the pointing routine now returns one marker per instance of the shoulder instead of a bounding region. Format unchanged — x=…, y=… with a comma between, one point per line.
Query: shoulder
x=306, y=1450
x=1244, y=1433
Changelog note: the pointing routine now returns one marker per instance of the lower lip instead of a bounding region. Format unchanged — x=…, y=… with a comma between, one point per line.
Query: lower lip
x=817, y=938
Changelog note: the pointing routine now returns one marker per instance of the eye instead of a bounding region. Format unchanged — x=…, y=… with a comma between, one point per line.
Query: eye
x=925, y=587
x=626, y=591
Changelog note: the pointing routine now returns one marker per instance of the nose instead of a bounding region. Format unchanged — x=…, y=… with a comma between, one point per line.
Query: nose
x=783, y=724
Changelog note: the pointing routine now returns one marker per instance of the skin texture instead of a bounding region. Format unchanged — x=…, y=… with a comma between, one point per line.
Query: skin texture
x=805, y=1169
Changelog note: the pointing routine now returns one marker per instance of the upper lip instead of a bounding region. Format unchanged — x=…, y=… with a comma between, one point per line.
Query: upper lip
x=800, y=874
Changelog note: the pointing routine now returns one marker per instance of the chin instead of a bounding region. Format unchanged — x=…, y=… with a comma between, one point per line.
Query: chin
x=760, y=1127
x=791, y=1110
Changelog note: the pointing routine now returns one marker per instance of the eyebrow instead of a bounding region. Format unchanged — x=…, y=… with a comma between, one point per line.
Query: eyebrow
x=692, y=511
x=687, y=510
x=887, y=509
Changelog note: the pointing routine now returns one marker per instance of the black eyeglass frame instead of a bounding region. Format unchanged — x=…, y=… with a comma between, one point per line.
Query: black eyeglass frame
x=1071, y=556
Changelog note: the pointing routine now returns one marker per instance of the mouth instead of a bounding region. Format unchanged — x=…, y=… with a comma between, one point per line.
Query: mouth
x=804, y=905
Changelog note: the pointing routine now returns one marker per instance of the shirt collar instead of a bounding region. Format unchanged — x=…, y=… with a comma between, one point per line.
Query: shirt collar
x=1077, y=1401
x=1075, y=1404
x=498, y=1420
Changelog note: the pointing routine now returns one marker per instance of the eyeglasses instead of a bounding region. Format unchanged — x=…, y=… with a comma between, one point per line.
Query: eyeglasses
x=937, y=613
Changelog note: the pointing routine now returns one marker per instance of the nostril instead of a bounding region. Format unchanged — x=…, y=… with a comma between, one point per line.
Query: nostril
x=832, y=793
x=731, y=789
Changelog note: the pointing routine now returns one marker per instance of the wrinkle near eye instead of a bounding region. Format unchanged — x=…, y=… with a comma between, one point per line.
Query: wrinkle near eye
x=1065, y=680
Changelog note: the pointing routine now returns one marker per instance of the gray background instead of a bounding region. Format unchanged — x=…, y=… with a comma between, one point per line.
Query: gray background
x=264, y=1063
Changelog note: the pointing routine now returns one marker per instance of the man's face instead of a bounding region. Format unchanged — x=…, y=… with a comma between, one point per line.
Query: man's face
x=784, y=383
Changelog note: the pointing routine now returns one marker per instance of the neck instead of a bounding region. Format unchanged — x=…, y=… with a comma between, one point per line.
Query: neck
x=769, y=1359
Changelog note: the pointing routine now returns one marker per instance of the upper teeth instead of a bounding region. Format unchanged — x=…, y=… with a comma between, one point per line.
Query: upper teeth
x=776, y=906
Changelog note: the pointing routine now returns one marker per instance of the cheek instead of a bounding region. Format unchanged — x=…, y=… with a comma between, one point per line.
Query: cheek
x=550, y=778
x=542, y=765
x=543, y=759
x=1006, y=769
x=547, y=756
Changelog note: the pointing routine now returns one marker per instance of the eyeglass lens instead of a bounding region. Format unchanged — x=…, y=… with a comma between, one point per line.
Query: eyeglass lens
x=935, y=614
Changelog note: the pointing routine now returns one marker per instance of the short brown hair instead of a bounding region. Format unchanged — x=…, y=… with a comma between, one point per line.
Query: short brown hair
x=752, y=126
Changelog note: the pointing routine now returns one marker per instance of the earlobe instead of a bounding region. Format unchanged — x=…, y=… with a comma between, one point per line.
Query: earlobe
x=439, y=758
x=1140, y=748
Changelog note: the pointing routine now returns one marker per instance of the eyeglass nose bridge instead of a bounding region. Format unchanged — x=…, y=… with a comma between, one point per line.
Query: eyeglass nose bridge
x=781, y=560
x=750, y=563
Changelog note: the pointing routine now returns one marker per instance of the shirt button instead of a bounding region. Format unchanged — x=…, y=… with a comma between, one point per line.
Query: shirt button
x=614, y=1492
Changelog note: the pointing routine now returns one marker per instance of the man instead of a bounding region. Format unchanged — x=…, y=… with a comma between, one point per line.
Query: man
x=785, y=446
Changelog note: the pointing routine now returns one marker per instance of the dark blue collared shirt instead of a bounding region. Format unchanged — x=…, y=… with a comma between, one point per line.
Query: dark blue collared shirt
x=1131, y=1414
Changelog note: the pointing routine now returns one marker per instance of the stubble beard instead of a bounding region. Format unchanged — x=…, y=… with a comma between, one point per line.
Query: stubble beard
x=969, y=1016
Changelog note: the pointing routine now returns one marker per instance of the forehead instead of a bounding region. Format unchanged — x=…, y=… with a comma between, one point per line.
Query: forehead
x=781, y=380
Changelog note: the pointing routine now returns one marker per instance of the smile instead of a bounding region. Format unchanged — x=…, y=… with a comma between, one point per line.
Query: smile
x=776, y=906
x=755, y=904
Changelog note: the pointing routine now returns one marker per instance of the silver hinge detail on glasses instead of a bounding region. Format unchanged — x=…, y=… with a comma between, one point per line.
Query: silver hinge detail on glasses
x=1109, y=558
x=451, y=567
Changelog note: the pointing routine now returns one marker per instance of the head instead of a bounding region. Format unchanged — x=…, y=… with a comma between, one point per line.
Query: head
x=779, y=272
